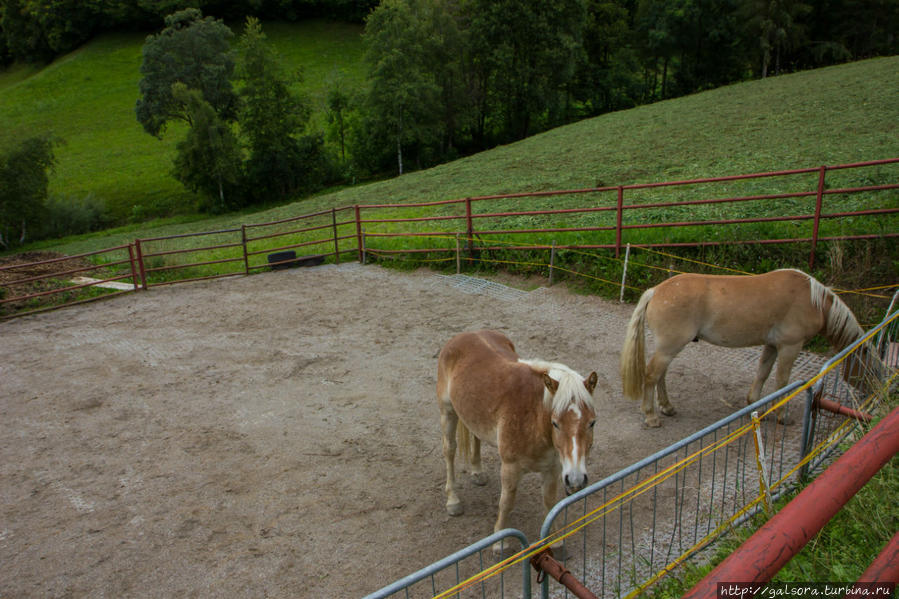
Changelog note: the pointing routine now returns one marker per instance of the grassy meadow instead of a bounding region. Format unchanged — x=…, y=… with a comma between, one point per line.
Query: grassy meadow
x=829, y=116
x=87, y=100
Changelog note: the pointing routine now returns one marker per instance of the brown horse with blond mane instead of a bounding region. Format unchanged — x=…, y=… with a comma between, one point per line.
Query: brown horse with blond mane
x=779, y=310
x=539, y=415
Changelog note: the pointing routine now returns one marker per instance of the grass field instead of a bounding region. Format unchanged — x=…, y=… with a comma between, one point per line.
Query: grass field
x=87, y=100
x=829, y=116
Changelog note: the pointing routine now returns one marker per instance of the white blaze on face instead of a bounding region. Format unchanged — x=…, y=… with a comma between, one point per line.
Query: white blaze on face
x=574, y=461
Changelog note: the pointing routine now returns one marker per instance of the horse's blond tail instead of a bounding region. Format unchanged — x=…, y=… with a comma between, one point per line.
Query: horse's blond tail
x=464, y=441
x=633, y=359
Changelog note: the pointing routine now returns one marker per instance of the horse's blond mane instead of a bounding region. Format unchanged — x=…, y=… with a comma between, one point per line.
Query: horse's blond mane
x=841, y=328
x=571, y=391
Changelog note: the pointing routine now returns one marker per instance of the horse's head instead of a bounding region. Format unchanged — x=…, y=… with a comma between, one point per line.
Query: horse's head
x=573, y=417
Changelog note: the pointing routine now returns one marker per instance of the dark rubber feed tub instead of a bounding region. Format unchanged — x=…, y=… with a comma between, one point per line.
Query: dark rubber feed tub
x=289, y=259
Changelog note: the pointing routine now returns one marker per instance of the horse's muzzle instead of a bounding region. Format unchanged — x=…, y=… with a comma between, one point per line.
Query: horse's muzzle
x=573, y=484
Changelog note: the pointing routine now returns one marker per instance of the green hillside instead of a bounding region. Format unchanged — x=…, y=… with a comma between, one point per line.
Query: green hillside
x=87, y=99
x=834, y=115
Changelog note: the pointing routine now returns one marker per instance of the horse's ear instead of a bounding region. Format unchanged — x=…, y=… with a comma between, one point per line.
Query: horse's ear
x=551, y=383
x=590, y=382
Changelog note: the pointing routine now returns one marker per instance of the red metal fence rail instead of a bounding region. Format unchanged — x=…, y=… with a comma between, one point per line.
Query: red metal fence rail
x=611, y=217
x=818, y=191
x=763, y=555
x=63, y=281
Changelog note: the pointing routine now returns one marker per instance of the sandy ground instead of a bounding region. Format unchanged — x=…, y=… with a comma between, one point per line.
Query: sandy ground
x=277, y=435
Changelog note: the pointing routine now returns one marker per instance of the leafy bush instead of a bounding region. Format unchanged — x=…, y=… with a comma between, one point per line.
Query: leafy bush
x=67, y=215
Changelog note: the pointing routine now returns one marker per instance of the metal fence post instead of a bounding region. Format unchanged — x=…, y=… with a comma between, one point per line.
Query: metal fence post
x=618, y=220
x=334, y=225
x=140, y=264
x=243, y=242
x=458, y=256
x=818, y=202
x=358, y=233
x=469, y=227
x=132, y=262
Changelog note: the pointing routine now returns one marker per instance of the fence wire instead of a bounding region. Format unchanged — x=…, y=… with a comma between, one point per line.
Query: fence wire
x=630, y=530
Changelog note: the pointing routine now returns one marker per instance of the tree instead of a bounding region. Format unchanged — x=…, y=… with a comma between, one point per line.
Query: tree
x=776, y=24
x=191, y=50
x=273, y=120
x=528, y=51
x=607, y=80
x=23, y=188
x=208, y=160
x=338, y=106
x=403, y=95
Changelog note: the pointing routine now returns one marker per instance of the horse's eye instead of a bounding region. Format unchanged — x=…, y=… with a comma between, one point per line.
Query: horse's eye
x=555, y=425
x=592, y=423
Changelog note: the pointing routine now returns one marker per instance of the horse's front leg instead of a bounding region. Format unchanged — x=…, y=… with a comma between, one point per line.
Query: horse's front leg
x=551, y=479
x=477, y=470
x=448, y=422
x=510, y=474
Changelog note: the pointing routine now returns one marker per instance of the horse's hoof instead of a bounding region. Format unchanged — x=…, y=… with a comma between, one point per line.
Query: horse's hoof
x=479, y=478
x=454, y=509
x=653, y=422
x=668, y=410
x=500, y=551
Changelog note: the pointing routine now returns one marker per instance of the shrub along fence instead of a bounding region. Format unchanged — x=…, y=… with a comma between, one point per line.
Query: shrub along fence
x=846, y=202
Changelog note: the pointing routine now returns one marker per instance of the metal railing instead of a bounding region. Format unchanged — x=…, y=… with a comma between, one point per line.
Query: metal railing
x=629, y=530
x=599, y=218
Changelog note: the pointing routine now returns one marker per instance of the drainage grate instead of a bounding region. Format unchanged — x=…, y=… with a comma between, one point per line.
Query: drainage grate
x=474, y=285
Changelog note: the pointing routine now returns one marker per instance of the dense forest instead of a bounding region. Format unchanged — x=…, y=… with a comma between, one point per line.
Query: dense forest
x=451, y=77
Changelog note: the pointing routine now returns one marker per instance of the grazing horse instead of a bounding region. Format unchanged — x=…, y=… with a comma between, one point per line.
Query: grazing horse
x=780, y=310
x=539, y=415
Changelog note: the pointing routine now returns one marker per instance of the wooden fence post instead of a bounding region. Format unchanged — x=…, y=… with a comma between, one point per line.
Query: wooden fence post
x=552, y=262
x=627, y=255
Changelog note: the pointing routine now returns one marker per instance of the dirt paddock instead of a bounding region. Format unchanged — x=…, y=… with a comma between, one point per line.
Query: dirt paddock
x=277, y=435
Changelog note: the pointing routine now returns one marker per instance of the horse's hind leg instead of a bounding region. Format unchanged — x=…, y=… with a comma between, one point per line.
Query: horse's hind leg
x=477, y=471
x=448, y=422
x=655, y=380
x=786, y=355
x=769, y=353
x=664, y=404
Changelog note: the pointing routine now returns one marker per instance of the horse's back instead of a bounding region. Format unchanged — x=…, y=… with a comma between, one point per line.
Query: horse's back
x=479, y=374
x=735, y=310
x=474, y=347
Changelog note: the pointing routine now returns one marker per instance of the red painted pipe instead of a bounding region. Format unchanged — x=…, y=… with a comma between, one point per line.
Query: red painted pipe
x=779, y=539
x=886, y=567
x=545, y=563
x=838, y=408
